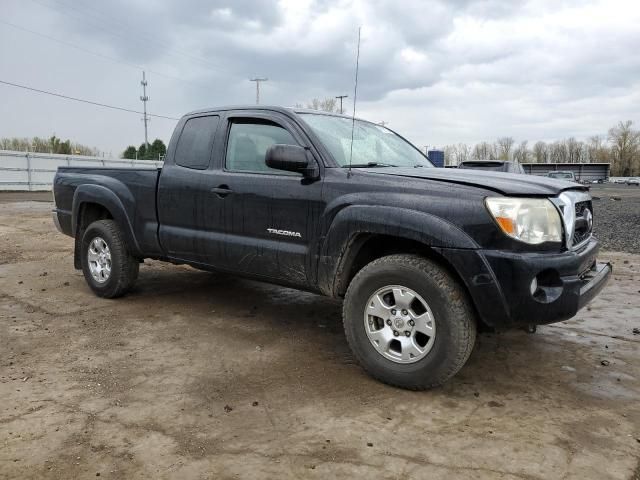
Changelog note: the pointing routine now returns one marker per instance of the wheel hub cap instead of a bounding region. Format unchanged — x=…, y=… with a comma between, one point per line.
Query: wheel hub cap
x=99, y=259
x=399, y=324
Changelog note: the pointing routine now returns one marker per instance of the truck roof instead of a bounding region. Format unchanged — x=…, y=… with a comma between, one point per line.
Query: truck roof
x=270, y=108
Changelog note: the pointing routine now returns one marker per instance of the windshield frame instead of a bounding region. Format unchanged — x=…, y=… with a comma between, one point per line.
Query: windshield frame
x=327, y=152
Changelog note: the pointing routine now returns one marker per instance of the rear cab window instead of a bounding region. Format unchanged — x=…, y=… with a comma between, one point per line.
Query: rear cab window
x=196, y=142
x=485, y=165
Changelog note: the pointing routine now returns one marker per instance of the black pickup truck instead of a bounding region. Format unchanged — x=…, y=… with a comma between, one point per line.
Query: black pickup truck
x=346, y=208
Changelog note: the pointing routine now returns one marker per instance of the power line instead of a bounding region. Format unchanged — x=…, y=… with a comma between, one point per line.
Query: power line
x=66, y=97
x=101, y=55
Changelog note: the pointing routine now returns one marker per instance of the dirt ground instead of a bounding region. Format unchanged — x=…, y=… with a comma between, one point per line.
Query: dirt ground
x=196, y=375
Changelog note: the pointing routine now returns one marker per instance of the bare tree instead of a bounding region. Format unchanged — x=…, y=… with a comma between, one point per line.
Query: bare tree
x=484, y=151
x=574, y=150
x=46, y=145
x=504, y=146
x=454, y=154
x=597, y=151
x=540, y=152
x=625, y=148
x=450, y=154
x=558, y=152
x=583, y=152
x=521, y=153
x=463, y=153
x=621, y=148
x=328, y=104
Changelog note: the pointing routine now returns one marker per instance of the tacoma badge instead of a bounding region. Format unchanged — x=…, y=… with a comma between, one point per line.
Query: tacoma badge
x=285, y=233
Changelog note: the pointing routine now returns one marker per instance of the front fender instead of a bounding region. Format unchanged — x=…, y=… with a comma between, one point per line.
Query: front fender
x=351, y=222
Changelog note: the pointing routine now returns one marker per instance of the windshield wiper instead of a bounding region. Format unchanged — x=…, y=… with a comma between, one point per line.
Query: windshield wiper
x=369, y=164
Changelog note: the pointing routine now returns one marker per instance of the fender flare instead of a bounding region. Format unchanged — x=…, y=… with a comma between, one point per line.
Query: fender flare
x=340, y=246
x=108, y=199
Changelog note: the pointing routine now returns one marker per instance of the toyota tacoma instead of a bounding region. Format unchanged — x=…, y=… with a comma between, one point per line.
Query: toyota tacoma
x=421, y=256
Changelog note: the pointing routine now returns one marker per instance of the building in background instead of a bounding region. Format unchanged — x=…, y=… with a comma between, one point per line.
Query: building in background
x=436, y=157
x=584, y=172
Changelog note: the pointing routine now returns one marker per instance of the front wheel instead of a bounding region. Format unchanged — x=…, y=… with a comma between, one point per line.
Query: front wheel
x=108, y=267
x=408, y=322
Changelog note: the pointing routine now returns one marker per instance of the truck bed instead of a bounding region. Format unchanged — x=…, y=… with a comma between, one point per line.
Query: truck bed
x=130, y=190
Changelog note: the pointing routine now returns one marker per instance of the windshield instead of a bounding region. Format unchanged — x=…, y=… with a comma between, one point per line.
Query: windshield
x=561, y=175
x=373, y=145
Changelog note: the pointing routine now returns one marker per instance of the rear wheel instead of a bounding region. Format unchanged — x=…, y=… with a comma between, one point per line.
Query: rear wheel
x=108, y=267
x=408, y=322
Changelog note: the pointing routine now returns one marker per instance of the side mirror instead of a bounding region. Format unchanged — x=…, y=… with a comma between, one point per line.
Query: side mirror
x=291, y=158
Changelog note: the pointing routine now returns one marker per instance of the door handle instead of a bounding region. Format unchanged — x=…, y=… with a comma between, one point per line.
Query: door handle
x=221, y=190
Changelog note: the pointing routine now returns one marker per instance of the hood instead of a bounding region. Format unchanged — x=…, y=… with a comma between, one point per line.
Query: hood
x=505, y=183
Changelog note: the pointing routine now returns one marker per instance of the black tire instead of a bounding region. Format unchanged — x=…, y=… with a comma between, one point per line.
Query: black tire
x=452, y=311
x=124, y=266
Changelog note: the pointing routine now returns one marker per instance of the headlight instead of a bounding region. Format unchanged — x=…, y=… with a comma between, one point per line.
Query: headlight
x=530, y=220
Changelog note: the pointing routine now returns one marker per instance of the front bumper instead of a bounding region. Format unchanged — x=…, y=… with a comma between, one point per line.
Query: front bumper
x=593, y=282
x=516, y=289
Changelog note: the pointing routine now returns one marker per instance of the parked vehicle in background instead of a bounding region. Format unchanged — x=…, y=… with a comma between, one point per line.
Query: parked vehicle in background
x=348, y=209
x=633, y=181
x=492, y=166
x=562, y=175
x=620, y=180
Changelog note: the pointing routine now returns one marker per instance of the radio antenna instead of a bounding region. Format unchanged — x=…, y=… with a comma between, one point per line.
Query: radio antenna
x=355, y=98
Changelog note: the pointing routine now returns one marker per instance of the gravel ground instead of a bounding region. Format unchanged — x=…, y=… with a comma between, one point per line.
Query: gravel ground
x=201, y=376
x=617, y=217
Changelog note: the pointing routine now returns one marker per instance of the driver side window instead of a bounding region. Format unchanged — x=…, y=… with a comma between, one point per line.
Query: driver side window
x=248, y=143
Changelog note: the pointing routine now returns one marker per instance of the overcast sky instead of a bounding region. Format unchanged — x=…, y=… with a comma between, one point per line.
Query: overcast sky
x=437, y=71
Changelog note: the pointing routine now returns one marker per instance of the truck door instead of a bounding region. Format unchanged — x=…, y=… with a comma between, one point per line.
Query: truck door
x=185, y=204
x=270, y=217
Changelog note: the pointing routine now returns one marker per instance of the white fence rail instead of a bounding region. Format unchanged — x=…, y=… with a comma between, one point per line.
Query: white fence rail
x=35, y=171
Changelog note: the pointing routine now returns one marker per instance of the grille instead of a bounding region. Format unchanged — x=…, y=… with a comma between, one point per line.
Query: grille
x=584, y=221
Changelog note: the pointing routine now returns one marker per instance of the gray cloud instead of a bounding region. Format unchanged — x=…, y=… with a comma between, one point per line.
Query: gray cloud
x=438, y=71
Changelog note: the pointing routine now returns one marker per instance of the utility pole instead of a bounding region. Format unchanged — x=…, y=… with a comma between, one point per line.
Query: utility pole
x=145, y=99
x=340, y=97
x=258, y=80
